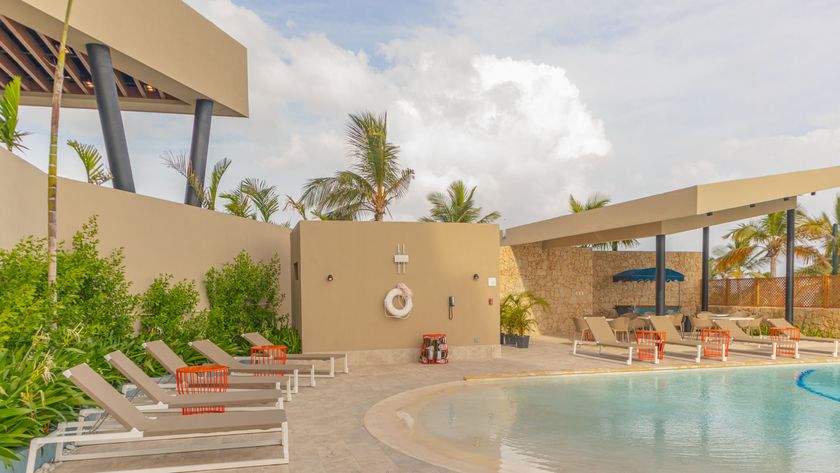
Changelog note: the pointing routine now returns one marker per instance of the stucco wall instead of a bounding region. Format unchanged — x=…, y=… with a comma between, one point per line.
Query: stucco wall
x=824, y=321
x=348, y=314
x=608, y=294
x=158, y=236
x=563, y=276
x=578, y=281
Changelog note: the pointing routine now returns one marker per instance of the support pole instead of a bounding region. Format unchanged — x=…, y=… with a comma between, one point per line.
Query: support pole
x=660, y=274
x=199, y=146
x=789, y=266
x=108, y=104
x=835, y=258
x=704, y=286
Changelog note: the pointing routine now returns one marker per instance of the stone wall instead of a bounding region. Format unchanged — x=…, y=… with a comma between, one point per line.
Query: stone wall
x=578, y=281
x=608, y=294
x=825, y=322
x=563, y=276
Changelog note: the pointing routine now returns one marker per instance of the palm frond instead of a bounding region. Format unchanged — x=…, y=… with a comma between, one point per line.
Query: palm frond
x=181, y=164
x=263, y=196
x=11, y=138
x=239, y=204
x=219, y=170
x=92, y=161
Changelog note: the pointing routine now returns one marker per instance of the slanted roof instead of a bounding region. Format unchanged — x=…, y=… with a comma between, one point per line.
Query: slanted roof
x=165, y=54
x=676, y=211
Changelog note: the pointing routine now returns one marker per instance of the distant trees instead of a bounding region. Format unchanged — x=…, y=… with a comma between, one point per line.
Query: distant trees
x=457, y=205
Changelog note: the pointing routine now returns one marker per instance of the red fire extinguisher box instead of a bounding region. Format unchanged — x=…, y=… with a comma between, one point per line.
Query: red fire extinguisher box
x=435, y=350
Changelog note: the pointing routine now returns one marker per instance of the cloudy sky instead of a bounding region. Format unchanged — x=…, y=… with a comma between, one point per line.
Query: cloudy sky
x=530, y=101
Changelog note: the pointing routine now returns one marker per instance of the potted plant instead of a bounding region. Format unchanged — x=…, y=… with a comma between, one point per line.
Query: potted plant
x=506, y=310
x=517, y=313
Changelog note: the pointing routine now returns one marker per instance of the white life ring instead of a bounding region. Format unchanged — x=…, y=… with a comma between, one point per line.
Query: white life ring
x=400, y=291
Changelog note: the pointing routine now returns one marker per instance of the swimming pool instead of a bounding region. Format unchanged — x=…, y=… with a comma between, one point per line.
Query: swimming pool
x=721, y=420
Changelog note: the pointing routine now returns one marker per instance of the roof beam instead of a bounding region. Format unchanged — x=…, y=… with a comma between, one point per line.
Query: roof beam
x=11, y=69
x=31, y=69
x=69, y=65
x=31, y=45
x=140, y=87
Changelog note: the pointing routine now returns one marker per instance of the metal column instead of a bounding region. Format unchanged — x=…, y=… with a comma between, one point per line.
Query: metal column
x=108, y=104
x=789, y=260
x=660, y=274
x=704, y=285
x=199, y=146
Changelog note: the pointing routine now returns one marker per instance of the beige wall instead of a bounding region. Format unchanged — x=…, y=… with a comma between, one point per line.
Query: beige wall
x=158, y=236
x=563, y=276
x=348, y=313
x=609, y=294
x=578, y=281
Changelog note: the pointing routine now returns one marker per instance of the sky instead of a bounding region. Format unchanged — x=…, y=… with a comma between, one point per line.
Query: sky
x=530, y=101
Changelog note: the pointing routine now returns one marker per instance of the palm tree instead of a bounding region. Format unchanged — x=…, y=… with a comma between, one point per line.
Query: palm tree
x=765, y=239
x=457, y=205
x=596, y=201
x=92, y=161
x=819, y=229
x=9, y=104
x=239, y=204
x=206, y=195
x=374, y=180
x=52, y=176
x=263, y=196
x=734, y=260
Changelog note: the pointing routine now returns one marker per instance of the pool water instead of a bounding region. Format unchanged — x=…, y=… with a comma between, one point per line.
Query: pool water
x=722, y=420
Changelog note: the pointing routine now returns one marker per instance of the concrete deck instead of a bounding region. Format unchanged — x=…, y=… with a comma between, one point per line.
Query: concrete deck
x=326, y=423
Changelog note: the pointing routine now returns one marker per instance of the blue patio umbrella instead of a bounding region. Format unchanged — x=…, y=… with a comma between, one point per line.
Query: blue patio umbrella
x=647, y=274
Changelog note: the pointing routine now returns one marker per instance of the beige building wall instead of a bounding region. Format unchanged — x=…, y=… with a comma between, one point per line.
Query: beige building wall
x=563, y=276
x=348, y=313
x=578, y=281
x=157, y=236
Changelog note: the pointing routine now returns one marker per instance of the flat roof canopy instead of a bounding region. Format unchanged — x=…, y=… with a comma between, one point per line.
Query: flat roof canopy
x=676, y=211
x=165, y=55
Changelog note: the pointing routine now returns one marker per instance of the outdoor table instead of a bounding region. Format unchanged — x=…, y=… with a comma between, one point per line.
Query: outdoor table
x=725, y=317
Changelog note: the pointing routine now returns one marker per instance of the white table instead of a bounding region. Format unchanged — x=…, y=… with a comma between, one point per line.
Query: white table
x=736, y=319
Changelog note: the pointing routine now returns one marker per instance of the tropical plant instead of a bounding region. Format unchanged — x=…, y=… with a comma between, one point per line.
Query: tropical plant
x=736, y=259
x=457, y=205
x=263, y=196
x=517, y=311
x=765, y=240
x=820, y=229
x=92, y=161
x=597, y=201
x=244, y=296
x=206, y=194
x=11, y=137
x=239, y=204
x=52, y=170
x=374, y=180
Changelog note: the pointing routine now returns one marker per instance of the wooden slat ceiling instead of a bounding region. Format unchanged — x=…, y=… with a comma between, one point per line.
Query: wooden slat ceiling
x=32, y=56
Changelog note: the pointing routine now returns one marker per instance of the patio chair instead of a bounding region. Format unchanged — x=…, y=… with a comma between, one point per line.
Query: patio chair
x=164, y=355
x=673, y=337
x=621, y=325
x=582, y=329
x=738, y=335
x=166, y=400
x=699, y=322
x=678, y=320
x=256, y=339
x=782, y=323
x=604, y=337
x=136, y=427
x=212, y=352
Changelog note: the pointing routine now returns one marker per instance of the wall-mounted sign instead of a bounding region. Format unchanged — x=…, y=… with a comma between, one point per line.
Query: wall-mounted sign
x=491, y=282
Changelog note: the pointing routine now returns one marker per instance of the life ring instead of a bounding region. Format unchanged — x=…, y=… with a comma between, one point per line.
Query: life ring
x=400, y=291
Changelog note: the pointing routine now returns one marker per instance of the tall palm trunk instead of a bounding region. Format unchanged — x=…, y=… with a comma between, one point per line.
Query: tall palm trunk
x=773, y=267
x=52, y=179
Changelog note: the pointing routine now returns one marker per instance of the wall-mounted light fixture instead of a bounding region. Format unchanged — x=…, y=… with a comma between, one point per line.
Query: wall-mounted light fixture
x=475, y=277
x=330, y=277
x=814, y=193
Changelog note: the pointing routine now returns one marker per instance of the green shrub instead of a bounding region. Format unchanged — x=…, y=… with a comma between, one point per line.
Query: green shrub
x=244, y=296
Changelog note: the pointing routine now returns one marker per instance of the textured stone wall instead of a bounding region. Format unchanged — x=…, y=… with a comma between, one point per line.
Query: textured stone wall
x=563, y=276
x=608, y=294
x=578, y=281
x=825, y=322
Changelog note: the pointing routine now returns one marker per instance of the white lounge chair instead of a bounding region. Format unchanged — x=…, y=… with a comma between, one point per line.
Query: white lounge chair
x=605, y=337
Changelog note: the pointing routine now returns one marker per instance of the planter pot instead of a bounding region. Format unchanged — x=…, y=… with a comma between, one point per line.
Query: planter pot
x=501, y=338
x=45, y=454
x=522, y=342
x=511, y=339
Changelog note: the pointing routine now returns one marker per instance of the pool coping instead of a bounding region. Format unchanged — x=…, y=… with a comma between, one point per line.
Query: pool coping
x=392, y=419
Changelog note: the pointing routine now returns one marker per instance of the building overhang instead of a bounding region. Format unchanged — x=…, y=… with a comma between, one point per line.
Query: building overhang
x=676, y=211
x=166, y=56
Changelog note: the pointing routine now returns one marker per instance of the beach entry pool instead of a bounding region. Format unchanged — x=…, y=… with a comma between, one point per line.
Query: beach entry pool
x=768, y=419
